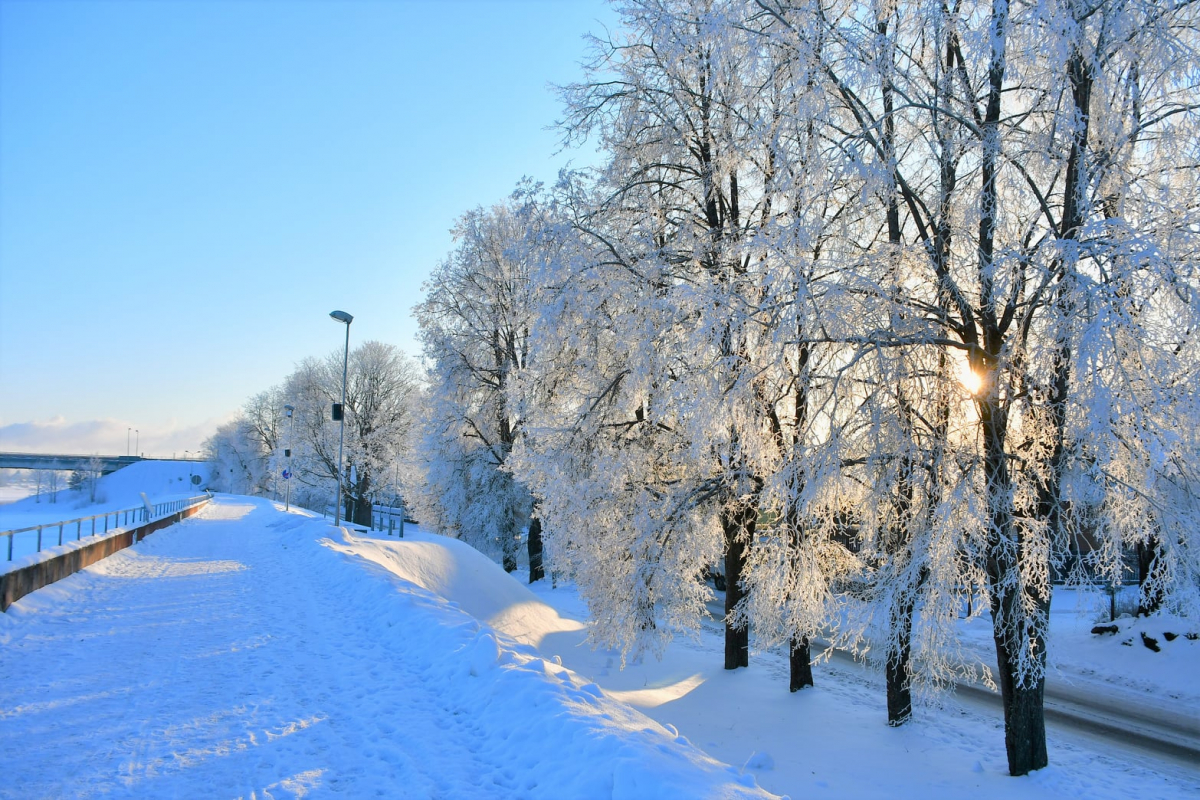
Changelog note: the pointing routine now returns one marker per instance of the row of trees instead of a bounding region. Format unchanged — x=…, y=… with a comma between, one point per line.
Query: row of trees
x=248, y=452
x=885, y=306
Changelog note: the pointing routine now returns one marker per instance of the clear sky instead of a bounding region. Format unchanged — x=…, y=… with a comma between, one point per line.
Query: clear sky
x=188, y=188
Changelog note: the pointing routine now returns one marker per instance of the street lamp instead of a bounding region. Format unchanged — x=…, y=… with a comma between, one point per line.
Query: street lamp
x=342, y=316
x=137, y=439
x=127, y=432
x=287, y=454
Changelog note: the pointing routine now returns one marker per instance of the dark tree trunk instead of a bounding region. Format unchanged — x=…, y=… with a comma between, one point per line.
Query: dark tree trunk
x=799, y=664
x=360, y=503
x=1150, y=593
x=898, y=664
x=1024, y=718
x=1014, y=627
x=536, y=570
x=898, y=669
x=737, y=638
x=362, y=511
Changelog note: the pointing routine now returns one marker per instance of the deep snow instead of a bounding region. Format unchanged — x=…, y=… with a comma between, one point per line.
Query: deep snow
x=830, y=740
x=249, y=652
x=239, y=653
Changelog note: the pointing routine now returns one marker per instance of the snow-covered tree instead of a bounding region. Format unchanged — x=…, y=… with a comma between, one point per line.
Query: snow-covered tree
x=239, y=462
x=668, y=101
x=381, y=387
x=247, y=453
x=1008, y=142
x=475, y=326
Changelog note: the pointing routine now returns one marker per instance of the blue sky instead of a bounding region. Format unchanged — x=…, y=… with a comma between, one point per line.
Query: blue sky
x=187, y=189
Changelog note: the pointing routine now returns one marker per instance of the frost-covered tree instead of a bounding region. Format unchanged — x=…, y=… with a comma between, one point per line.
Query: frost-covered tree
x=602, y=450
x=239, y=464
x=670, y=100
x=263, y=419
x=1008, y=139
x=243, y=451
x=90, y=477
x=475, y=327
x=381, y=387
x=247, y=452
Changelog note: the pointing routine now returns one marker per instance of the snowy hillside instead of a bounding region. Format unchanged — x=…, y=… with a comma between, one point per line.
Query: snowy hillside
x=159, y=480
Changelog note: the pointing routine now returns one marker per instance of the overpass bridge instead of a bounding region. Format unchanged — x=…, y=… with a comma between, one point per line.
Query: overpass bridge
x=61, y=461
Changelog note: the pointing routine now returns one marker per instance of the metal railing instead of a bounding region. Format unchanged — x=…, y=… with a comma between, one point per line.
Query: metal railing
x=388, y=518
x=120, y=518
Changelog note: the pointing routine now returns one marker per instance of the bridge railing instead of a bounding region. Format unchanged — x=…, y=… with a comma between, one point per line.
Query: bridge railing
x=120, y=519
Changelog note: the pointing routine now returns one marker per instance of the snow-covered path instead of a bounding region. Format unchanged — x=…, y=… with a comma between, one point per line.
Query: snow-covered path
x=236, y=655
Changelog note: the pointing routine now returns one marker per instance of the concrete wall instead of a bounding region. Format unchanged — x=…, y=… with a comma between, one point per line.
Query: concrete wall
x=18, y=583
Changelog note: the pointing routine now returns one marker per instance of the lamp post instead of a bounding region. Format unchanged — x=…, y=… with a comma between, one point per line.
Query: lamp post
x=137, y=439
x=342, y=316
x=287, y=454
x=128, y=431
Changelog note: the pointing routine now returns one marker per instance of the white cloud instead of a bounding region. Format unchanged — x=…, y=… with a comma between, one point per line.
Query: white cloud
x=105, y=436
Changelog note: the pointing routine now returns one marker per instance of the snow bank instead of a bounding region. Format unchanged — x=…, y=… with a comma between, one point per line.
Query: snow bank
x=1117, y=664
x=158, y=479
x=462, y=575
x=1157, y=655
x=481, y=645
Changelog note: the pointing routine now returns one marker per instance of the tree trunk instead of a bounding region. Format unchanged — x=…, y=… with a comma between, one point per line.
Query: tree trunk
x=898, y=669
x=1150, y=592
x=361, y=502
x=1024, y=719
x=536, y=570
x=347, y=497
x=1014, y=628
x=799, y=664
x=737, y=638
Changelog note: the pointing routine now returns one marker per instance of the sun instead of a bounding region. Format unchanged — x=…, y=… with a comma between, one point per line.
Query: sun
x=971, y=380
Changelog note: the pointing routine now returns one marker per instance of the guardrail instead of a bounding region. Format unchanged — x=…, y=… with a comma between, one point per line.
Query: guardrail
x=389, y=518
x=122, y=517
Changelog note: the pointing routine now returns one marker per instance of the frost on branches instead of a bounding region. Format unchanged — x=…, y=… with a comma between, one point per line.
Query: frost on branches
x=475, y=327
x=884, y=310
x=248, y=452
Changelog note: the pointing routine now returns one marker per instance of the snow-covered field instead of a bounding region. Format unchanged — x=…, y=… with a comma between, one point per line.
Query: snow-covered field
x=16, y=484
x=254, y=653
x=161, y=481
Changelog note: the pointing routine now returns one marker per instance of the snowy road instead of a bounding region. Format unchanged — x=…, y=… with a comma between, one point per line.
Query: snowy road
x=238, y=655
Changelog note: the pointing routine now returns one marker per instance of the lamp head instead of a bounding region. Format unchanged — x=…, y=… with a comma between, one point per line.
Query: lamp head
x=341, y=316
